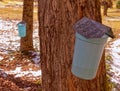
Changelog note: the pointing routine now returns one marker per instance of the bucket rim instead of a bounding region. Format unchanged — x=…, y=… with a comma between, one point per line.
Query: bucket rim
x=92, y=40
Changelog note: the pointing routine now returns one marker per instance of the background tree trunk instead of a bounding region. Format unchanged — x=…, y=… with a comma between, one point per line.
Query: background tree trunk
x=106, y=4
x=27, y=41
x=105, y=9
x=56, y=19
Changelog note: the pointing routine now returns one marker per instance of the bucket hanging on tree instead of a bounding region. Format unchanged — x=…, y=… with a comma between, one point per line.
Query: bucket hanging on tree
x=21, y=29
x=91, y=37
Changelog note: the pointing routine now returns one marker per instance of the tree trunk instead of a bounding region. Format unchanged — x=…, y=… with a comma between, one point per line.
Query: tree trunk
x=27, y=41
x=105, y=7
x=56, y=19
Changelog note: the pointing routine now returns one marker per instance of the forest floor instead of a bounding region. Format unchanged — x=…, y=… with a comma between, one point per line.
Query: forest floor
x=20, y=72
x=112, y=50
x=17, y=71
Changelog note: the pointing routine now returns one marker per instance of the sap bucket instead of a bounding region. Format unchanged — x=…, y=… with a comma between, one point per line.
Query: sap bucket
x=21, y=29
x=89, y=47
x=87, y=55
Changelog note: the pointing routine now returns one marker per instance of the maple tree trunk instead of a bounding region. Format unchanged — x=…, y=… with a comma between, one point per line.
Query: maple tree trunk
x=26, y=43
x=105, y=7
x=105, y=10
x=56, y=19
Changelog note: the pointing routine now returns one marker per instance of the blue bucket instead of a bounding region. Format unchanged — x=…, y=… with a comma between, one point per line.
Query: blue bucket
x=87, y=56
x=21, y=29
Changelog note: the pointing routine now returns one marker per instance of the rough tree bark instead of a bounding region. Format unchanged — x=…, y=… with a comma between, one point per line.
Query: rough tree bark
x=26, y=43
x=56, y=18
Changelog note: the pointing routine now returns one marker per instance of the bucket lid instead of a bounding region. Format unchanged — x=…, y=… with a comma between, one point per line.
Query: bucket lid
x=92, y=29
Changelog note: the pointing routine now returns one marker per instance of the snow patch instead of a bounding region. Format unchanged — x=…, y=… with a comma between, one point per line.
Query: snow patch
x=19, y=73
x=115, y=66
x=1, y=58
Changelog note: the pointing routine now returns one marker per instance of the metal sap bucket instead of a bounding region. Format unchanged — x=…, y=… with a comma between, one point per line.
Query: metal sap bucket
x=87, y=56
x=90, y=41
x=21, y=29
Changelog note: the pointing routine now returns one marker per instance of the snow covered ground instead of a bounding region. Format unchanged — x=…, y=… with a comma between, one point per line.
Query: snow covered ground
x=18, y=71
x=114, y=52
